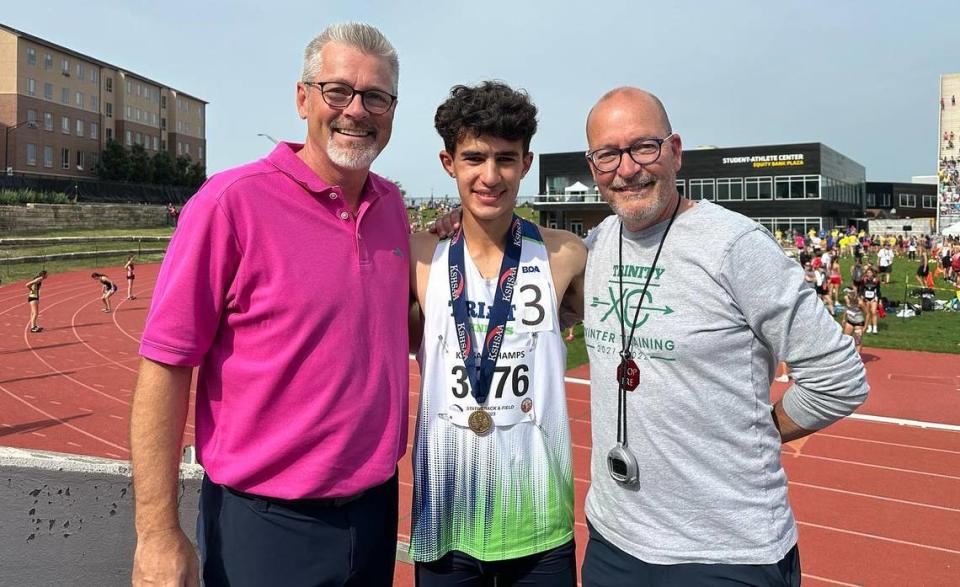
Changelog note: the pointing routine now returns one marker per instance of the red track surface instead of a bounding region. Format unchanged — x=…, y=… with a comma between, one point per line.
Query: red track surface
x=877, y=503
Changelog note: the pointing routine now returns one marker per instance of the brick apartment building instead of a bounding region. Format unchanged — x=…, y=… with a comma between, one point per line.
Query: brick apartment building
x=59, y=107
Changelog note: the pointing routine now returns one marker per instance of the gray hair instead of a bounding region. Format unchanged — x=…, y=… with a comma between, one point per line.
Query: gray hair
x=361, y=36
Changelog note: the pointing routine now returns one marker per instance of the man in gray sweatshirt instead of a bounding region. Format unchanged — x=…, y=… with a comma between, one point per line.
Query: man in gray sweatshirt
x=689, y=307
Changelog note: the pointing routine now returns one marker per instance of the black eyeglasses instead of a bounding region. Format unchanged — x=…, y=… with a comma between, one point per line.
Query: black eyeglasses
x=339, y=95
x=643, y=152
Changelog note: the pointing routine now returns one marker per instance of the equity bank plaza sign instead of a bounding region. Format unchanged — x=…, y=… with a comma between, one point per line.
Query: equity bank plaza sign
x=763, y=161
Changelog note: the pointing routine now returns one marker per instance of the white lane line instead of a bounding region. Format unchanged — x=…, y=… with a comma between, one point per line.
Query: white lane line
x=831, y=581
x=65, y=423
x=863, y=417
x=877, y=497
x=884, y=467
x=882, y=538
x=897, y=444
x=41, y=435
x=116, y=417
x=903, y=422
x=73, y=444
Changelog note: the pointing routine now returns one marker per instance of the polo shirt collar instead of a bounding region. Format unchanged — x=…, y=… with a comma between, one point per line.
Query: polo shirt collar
x=284, y=158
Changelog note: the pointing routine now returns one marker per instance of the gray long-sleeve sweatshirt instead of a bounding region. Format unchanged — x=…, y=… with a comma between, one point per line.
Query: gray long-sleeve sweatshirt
x=724, y=305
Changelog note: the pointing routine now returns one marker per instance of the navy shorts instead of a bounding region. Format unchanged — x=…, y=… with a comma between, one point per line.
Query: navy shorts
x=248, y=541
x=605, y=565
x=556, y=567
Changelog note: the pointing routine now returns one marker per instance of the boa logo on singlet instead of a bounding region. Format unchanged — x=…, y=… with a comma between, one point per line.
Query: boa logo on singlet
x=494, y=340
x=507, y=281
x=464, y=339
x=456, y=283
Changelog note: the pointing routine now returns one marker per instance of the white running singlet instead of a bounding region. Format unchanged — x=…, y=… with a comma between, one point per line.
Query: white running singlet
x=509, y=492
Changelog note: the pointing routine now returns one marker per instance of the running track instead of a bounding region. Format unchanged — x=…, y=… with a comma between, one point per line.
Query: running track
x=877, y=496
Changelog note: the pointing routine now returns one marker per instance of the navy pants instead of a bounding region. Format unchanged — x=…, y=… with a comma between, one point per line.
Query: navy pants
x=552, y=568
x=248, y=541
x=606, y=565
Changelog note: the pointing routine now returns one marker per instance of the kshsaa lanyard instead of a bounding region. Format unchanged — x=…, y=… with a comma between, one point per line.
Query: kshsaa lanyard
x=480, y=421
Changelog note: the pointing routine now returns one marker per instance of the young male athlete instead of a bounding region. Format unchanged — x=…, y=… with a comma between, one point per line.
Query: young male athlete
x=493, y=484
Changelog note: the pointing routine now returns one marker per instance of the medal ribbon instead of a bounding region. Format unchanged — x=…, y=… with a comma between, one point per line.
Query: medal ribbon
x=480, y=378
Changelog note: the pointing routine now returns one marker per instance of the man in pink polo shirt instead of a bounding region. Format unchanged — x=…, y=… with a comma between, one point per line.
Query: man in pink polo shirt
x=287, y=285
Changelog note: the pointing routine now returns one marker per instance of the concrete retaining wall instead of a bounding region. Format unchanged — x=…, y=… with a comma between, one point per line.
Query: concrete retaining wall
x=40, y=217
x=68, y=520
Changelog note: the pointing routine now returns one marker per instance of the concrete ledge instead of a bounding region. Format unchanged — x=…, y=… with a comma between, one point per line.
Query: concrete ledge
x=77, y=255
x=66, y=240
x=68, y=519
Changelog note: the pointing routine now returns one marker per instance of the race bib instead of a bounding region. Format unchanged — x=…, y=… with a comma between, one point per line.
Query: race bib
x=509, y=401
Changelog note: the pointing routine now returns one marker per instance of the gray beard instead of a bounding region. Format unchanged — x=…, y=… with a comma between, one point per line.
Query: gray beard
x=354, y=159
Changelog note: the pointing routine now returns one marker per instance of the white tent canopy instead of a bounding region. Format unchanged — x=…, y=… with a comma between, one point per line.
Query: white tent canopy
x=953, y=230
x=577, y=188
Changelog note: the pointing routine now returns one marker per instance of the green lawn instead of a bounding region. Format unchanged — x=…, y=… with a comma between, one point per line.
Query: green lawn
x=161, y=231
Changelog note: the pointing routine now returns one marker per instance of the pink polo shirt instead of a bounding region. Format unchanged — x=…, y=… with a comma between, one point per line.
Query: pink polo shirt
x=296, y=314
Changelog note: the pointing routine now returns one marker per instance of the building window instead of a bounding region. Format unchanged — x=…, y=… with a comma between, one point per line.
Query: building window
x=78, y=99
x=885, y=200
x=907, y=200
x=163, y=144
x=129, y=87
x=32, y=117
x=31, y=56
x=200, y=155
x=179, y=148
x=31, y=154
x=79, y=128
x=47, y=156
x=65, y=125
x=186, y=148
x=31, y=86
x=48, y=91
x=80, y=160
x=729, y=189
x=128, y=112
x=108, y=109
x=163, y=101
x=129, y=138
x=929, y=202
x=108, y=132
x=108, y=84
x=80, y=71
x=576, y=227
x=179, y=126
x=47, y=121
x=156, y=143
x=681, y=184
x=64, y=158
x=65, y=95
x=94, y=130
x=163, y=124
x=758, y=188
x=47, y=61
x=94, y=74
x=701, y=189
x=95, y=103
x=139, y=139
x=65, y=67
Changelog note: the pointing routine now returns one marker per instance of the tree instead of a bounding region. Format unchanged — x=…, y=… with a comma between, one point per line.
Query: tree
x=140, y=168
x=196, y=174
x=182, y=168
x=164, y=168
x=114, y=163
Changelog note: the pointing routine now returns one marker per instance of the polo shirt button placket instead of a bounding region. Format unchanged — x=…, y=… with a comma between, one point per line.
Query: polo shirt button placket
x=344, y=215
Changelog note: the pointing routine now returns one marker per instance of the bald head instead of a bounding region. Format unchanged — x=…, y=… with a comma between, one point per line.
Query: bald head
x=641, y=102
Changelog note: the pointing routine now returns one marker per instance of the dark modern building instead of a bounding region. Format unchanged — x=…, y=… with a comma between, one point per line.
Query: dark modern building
x=901, y=200
x=799, y=186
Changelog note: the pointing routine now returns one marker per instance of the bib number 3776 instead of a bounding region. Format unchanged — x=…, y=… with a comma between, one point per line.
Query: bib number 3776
x=516, y=375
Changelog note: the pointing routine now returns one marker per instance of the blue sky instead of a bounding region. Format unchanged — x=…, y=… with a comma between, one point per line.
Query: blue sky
x=861, y=77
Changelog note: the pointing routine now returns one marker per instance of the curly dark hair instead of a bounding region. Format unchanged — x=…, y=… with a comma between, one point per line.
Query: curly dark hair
x=491, y=108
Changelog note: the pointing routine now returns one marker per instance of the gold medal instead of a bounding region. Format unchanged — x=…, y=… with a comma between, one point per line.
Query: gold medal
x=480, y=421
